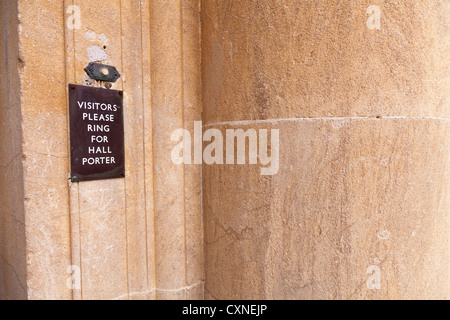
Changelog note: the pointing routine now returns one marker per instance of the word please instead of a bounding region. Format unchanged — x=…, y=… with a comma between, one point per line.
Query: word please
x=98, y=117
x=214, y=152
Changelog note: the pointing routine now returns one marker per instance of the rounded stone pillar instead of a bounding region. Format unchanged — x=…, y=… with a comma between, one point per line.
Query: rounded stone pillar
x=360, y=205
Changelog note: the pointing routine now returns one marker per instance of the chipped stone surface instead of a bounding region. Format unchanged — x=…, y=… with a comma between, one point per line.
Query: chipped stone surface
x=96, y=54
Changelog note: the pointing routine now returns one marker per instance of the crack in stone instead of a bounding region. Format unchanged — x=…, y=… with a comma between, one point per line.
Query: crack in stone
x=131, y=294
x=14, y=271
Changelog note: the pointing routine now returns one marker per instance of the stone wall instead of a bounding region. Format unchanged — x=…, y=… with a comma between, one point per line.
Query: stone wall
x=359, y=208
x=12, y=229
x=138, y=237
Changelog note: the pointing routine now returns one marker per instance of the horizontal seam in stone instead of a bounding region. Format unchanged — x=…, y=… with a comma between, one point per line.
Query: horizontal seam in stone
x=181, y=289
x=131, y=294
x=250, y=122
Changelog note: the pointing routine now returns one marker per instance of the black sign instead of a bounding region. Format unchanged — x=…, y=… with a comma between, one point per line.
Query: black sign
x=96, y=133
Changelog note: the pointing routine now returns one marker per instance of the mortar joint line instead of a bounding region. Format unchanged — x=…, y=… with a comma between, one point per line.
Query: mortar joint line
x=250, y=122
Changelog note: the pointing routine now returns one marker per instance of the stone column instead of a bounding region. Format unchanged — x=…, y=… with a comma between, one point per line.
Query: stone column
x=360, y=206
